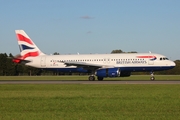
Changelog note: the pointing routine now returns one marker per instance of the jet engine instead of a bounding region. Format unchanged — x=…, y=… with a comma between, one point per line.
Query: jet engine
x=112, y=72
x=108, y=72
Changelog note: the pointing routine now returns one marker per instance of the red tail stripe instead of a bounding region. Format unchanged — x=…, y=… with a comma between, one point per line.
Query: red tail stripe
x=23, y=38
x=30, y=54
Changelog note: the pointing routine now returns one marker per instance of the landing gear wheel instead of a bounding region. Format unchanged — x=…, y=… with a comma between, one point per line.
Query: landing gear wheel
x=91, y=78
x=100, y=78
x=152, y=78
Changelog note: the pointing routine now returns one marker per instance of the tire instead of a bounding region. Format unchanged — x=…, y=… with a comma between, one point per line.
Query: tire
x=152, y=78
x=91, y=78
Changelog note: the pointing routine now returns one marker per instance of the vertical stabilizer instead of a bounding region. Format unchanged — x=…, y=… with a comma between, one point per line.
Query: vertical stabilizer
x=27, y=47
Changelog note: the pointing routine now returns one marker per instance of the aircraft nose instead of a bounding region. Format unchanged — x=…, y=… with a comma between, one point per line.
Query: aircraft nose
x=173, y=64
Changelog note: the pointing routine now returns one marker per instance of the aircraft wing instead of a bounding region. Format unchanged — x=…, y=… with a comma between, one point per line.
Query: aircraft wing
x=86, y=65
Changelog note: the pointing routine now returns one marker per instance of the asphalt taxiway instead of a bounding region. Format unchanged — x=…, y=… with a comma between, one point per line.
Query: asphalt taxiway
x=85, y=82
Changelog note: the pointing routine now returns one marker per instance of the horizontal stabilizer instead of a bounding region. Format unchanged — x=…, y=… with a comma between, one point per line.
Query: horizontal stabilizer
x=18, y=59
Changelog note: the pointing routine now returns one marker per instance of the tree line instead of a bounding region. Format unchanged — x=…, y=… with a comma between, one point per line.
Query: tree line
x=9, y=68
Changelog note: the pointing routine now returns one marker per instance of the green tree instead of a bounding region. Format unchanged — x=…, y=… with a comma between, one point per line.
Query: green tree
x=132, y=52
x=117, y=51
x=3, y=64
x=10, y=66
x=120, y=51
x=56, y=53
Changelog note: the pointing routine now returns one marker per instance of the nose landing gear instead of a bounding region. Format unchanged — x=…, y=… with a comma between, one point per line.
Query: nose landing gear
x=152, y=76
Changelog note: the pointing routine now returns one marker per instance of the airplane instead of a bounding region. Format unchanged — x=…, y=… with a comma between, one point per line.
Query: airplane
x=100, y=65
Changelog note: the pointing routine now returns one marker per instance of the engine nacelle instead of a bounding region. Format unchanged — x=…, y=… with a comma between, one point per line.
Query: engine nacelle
x=108, y=72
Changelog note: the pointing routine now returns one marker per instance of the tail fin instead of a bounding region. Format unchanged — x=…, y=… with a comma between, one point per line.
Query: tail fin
x=26, y=45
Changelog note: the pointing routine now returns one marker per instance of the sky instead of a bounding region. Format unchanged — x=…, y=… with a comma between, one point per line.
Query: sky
x=93, y=26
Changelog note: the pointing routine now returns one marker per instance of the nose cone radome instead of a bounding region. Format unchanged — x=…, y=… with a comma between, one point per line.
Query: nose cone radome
x=173, y=64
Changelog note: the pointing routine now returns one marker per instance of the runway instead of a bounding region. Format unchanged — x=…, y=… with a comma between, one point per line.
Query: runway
x=85, y=82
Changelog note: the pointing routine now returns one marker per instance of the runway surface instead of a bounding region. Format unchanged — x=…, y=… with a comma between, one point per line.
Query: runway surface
x=84, y=82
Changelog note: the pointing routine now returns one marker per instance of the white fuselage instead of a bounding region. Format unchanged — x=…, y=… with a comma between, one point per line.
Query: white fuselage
x=101, y=65
x=132, y=61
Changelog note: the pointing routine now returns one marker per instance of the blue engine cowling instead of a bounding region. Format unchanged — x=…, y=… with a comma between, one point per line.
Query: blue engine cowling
x=108, y=72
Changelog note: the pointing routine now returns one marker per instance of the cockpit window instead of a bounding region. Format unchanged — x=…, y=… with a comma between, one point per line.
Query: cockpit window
x=164, y=58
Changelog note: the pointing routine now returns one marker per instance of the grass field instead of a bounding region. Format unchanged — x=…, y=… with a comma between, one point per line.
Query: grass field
x=89, y=102
x=133, y=77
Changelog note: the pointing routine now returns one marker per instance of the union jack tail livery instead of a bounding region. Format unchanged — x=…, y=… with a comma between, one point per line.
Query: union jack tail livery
x=27, y=46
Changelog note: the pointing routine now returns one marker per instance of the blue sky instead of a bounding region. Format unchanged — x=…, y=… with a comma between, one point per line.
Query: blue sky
x=93, y=26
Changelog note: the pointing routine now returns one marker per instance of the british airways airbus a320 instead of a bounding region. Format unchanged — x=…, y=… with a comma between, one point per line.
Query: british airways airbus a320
x=100, y=65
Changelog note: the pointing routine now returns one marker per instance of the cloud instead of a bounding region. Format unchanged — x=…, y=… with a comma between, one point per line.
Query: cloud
x=87, y=17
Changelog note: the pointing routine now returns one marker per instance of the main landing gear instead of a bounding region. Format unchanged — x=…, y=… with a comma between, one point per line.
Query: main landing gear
x=92, y=78
x=152, y=76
